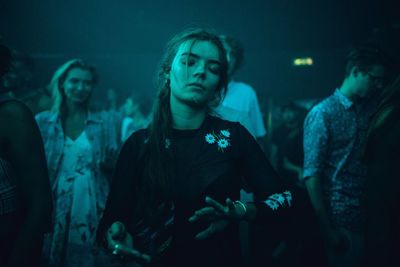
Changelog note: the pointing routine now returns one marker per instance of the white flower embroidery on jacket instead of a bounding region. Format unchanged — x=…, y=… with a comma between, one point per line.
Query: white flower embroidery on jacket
x=226, y=133
x=223, y=143
x=210, y=138
x=221, y=139
x=277, y=200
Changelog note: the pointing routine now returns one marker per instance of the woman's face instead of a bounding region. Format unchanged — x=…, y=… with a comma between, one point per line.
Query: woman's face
x=195, y=73
x=78, y=85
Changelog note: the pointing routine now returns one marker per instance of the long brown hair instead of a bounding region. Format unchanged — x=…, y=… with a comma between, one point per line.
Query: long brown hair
x=156, y=183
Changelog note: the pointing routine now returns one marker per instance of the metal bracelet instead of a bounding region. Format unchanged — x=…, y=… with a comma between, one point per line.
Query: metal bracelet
x=242, y=205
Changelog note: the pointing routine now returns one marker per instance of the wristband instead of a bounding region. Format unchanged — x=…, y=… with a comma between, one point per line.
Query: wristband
x=242, y=205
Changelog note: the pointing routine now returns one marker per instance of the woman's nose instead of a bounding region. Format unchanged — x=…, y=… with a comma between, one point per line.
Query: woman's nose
x=200, y=69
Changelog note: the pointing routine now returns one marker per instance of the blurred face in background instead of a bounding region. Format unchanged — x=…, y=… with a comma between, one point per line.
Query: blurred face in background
x=18, y=77
x=130, y=108
x=289, y=115
x=78, y=85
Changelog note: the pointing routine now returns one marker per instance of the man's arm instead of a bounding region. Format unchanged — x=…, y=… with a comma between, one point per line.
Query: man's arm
x=330, y=234
x=314, y=190
x=316, y=156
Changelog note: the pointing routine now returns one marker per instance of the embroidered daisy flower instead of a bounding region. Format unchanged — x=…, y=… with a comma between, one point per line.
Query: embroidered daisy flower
x=272, y=204
x=225, y=133
x=279, y=198
x=223, y=143
x=210, y=138
x=288, y=196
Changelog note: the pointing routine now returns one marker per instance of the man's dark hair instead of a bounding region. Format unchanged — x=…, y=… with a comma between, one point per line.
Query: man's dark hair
x=365, y=57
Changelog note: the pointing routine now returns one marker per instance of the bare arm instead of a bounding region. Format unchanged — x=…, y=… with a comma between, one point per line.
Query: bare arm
x=26, y=155
x=332, y=236
x=314, y=189
x=316, y=154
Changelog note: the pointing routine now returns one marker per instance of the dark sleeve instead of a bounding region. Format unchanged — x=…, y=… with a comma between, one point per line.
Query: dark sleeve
x=25, y=152
x=121, y=199
x=273, y=201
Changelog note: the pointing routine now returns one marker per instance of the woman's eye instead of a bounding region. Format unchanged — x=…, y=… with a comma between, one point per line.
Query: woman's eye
x=188, y=61
x=216, y=69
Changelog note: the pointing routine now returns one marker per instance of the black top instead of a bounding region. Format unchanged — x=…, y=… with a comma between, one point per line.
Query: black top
x=383, y=187
x=25, y=193
x=210, y=161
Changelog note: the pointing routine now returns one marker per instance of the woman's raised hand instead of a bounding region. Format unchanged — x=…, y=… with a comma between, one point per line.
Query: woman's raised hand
x=218, y=215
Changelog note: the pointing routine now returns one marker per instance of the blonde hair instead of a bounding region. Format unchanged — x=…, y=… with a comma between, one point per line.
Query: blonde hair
x=58, y=79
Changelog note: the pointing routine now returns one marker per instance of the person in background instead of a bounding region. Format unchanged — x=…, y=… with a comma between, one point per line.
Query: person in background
x=240, y=102
x=25, y=197
x=19, y=79
x=112, y=99
x=134, y=119
x=287, y=144
x=81, y=148
x=335, y=132
x=302, y=245
x=175, y=182
x=382, y=157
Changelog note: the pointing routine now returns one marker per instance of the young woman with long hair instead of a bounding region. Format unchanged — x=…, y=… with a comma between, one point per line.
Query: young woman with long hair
x=171, y=201
x=80, y=145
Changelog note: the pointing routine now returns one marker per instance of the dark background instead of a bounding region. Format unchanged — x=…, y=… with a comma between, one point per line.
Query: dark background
x=124, y=39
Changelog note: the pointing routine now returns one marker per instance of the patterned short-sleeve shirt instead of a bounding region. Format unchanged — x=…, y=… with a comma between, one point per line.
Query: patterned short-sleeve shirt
x=334, y=137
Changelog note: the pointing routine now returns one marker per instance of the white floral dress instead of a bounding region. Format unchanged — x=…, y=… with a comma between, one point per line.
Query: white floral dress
x=76, y=209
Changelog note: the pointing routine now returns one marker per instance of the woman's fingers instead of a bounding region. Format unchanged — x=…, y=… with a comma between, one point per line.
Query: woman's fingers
x=206, y=233
x=214, y=211
x=207, y=211
x=115, y=234
x=230, y=204
x=118, y=231
x=120, y=242
x=120, y=249
x=203, y=213
x=110, y=241
x=218, y=206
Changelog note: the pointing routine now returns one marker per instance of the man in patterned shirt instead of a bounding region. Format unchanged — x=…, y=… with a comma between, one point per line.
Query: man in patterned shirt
x=334, y=137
